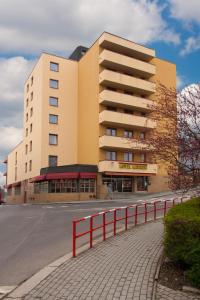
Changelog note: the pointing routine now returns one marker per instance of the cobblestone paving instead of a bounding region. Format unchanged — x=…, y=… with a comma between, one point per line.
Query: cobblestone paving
x=164, y=293
x=122, y=268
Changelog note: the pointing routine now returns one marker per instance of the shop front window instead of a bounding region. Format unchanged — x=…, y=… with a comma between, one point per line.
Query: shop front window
x=87, y=185
x=142, y=183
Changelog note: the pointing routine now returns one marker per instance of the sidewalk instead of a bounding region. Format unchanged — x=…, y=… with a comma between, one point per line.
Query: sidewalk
x=122, y=268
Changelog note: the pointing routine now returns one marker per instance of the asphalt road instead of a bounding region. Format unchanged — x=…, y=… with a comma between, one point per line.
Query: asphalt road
x=32, y=236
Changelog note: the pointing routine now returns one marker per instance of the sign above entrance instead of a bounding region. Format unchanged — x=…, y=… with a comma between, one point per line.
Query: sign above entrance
x=133, y=166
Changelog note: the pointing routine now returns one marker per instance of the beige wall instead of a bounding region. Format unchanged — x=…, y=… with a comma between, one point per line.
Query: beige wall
x=88, y=107
x=15, y=172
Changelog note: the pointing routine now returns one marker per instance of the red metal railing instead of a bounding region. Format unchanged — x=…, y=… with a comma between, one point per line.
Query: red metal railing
x=139, y=215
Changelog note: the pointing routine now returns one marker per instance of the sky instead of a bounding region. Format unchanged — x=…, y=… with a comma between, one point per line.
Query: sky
x=27, y=28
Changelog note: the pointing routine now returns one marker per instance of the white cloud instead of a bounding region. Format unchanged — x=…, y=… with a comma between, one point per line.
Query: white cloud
x=58, y=26
x=9, y=137
x=192, y=44
x=186, y=10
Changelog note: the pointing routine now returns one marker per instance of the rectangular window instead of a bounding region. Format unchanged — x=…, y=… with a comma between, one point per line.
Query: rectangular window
x=128, y=134
x=27, y=88
x=15, y=173
x=53, y=160
x=87, y=185
x=128, y=93
x=31, y=111
x=142, y=135
x=53, y=83
x=53, y=119
x=128, y=156
x=32, y=96
x=26, y=131
x=111, y=131
x=142, y=157
x=26, y=117
x=17, y=190
x=26, y=167
x=27, y=102
x=30, y=165
x=31, y=146
x=26, y=149
x=32, y=80
x=111, y=155
x=63, y=186
x=53, y=139
x=41, y=187
x=53, y=101
x=31, y=127
x=54, y=66
x=143, y=114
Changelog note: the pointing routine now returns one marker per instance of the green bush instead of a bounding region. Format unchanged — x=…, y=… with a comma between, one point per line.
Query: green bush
x=182, y=237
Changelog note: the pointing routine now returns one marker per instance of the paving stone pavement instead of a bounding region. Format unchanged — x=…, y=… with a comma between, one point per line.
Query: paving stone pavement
x=165, y=293
x=123, y=267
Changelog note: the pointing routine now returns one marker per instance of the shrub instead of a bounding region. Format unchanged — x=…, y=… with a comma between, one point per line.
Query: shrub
x=182, y=237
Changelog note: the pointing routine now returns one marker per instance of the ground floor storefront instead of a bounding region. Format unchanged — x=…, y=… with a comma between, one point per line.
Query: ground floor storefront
x=77, y=183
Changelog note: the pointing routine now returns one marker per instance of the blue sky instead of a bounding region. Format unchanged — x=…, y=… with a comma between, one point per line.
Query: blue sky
x=27, y=28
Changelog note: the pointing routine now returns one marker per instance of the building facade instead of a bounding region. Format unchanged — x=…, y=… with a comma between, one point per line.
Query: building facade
x=86, y=119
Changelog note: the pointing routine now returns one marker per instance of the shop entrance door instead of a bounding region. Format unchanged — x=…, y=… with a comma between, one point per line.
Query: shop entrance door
x=119, y=184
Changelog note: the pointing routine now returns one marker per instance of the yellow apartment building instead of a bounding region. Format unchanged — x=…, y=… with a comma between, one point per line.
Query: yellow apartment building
x=86, y=119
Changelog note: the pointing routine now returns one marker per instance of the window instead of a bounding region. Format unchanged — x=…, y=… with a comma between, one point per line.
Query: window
x=31, y=127
x=53, y=101
x=87, y=185
x=128, y=111
x=128, y=134
x=27, y=88
x=26, y=167
x=9, y=191
x=63, y=186
x=54, y=66
x=53, y=160
x=128, y=156
x=27, y=102
x=111, y=108
x=30, y=165
x=26, y=117
x=111, y=131
x=128, y=93
x=53, y=139
x=111, y=155
x=15, y=173
x=26, y=131
x=26, y=149
x=32, y=96
x=31, y=111
x=17, y=190
x=31, y=146
x=32, y=80
x=111, y=88
x=143, y=114
x=142, y=135
x=41, y=187
x=142, y=157
x=53, y=83
x=53, y=119
x=15, y=157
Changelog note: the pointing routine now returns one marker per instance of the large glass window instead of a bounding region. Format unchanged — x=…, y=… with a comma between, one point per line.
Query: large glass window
x=53, y=160
x=142, y=135
x=128, y=134
x=87, y=185
x=17, y=190
x=53, y=139
x=54, y=66
x=53, y=101
x=111, y=155
x=53, y=83
x=53, y=119
x=111, y=131
x=41, y=187
x=63, y=186
x=128, y=156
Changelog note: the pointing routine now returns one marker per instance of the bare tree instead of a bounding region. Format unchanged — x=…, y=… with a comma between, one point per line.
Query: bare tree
x=176, y=141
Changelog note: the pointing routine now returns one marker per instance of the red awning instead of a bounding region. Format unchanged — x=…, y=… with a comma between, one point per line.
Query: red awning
x=38, y=178
x=9, y=186
x=53, y=176
x=17, y=184
x=88, y=175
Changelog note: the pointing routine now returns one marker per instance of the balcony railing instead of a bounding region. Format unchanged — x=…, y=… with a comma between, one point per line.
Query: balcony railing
x=116, y=142
x=121, y=119
x=107, y=97
x=123, y=63
x=123, y=81
x=127, y=167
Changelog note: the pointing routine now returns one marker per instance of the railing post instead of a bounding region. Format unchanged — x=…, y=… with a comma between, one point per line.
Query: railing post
x=154, y=205
x=115, y=221
x=74, y=239
x=165, y=207
x=136, y=214
x=104, y=226
x=91, y=231
x=145, y=212
x=126, y=218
